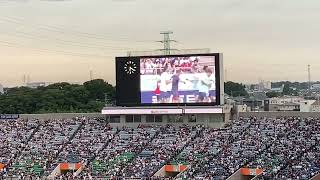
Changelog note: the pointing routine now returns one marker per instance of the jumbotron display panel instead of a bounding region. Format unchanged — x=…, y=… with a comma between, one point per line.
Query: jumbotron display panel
x=168, y=80
x=178, y=80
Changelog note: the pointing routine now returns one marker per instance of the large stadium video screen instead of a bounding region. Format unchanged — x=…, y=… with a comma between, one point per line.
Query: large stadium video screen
x=178, y=80
x=171, y=80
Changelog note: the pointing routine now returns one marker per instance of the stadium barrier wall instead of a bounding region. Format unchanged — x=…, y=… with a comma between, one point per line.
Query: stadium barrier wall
x=80, y=169
x=210, y=120
x=250, y=172
x=280, y=114
x=64, y=167
x=316, y=177
x=54, y=173
x=60, y=115
x=170, y=170
x=1, y=166
x=245, y=174
x=235, y=176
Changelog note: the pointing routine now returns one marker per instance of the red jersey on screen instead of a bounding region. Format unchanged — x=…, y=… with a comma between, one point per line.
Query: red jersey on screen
x=157, y=91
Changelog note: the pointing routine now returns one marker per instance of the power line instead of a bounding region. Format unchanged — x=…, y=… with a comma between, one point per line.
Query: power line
x=60, y=41
x=9, y=44
x=58, y=29
x=65, y=42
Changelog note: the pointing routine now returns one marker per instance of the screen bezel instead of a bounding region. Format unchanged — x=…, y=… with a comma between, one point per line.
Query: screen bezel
x=217, y=72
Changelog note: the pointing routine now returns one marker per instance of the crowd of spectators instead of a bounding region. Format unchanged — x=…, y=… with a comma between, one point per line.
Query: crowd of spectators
x=166, y=145
x=37, y=157
x=285, y=148
x=14, y=135
x=126, y=144
x=88, y=142
x=256, y=139
x=204, y=149
x=296, y=145
x=262, y=137
x=305, y=167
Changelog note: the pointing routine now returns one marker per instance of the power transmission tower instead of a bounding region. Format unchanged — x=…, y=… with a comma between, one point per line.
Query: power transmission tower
x=226, y=75
x=91, y=74
x=24, y=79
x=309, y=80
x=28, y=78
x=166, y=42
x=167, y=50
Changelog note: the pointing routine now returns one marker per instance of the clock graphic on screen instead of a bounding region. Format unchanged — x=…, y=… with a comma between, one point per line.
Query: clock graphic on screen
x=130, y=67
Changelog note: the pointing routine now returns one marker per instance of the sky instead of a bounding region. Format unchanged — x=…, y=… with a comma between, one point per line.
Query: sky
x=62, y=40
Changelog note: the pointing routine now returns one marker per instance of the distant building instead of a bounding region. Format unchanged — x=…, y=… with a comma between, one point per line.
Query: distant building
x=306, y=105
x=242, y=108
x=278, y=89
x=315, y=87
x=287, y=103
x=1, y=89
x=289, y=107
x=264, y=86
x=315, y=107
x=286, y=99
x=36, y=84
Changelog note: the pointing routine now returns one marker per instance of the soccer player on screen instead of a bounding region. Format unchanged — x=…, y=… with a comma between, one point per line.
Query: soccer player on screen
x=175, y=86
x=197, y=83
x=164, y=83
x=157, y=92
x=212, y=89
x=204, y=85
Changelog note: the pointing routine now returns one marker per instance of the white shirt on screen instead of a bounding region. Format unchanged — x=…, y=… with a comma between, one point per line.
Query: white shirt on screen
x=163, y=81
x=204, y=83
x=212, y=79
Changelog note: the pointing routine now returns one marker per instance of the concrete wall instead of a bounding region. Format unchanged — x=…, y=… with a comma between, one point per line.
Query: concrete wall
x=280, y=114
x=238, y=176
x=316, y=177
x=210, y=120
x=59, y=115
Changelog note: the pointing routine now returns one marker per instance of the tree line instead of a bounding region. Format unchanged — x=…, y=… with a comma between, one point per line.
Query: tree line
x=59, y=97
x=89, y=97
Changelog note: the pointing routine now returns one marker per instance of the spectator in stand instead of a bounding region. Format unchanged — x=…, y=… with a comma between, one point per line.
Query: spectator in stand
x=38, y=155
x=86, y=144
x=166, y=145
x=14, y=135
x=285, y=148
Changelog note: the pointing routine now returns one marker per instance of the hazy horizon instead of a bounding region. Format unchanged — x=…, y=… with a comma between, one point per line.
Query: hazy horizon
x=57, y=41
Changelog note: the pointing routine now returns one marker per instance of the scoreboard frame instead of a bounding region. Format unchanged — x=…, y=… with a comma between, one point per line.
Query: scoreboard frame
x=128, y=93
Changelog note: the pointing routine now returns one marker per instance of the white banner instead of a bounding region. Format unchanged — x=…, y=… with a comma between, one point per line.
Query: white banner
x=141, y=111
x=203, y=111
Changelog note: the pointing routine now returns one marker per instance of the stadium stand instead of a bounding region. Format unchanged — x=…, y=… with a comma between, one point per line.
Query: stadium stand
x=124, y=147
x=304, y=167
x=37, y=158
x=285, y=148
x=164, y=146
x=89, y=140
x=299, y=136
x=14, y=134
